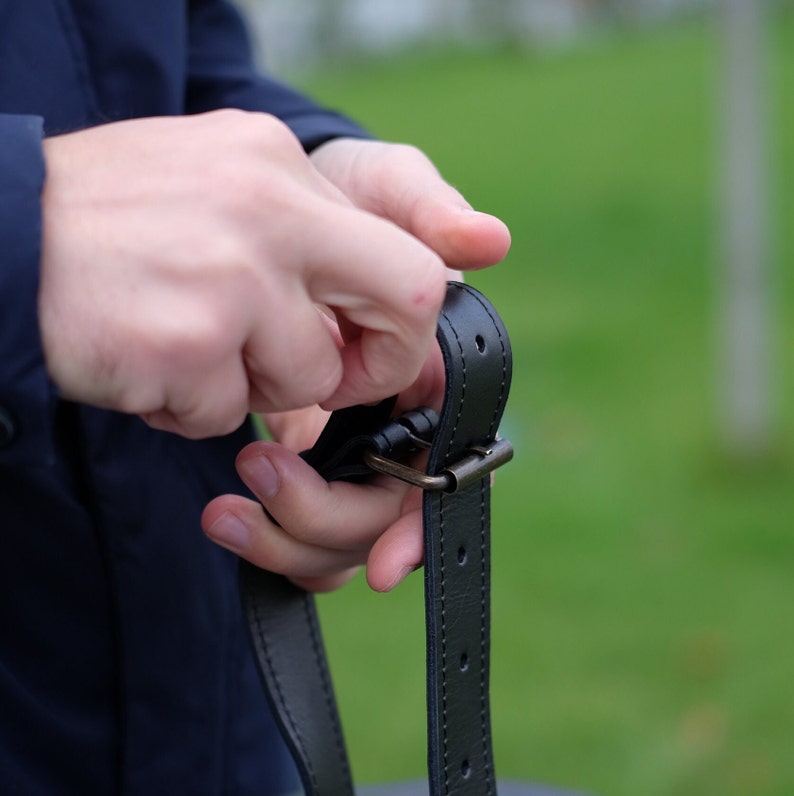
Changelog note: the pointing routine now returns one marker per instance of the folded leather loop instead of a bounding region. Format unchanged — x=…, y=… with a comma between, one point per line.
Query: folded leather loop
x=283, y=620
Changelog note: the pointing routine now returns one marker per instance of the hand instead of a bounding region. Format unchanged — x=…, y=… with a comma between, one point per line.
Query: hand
x=322, y=533
x=183, y=263
x=399, y=183
x=325, y=532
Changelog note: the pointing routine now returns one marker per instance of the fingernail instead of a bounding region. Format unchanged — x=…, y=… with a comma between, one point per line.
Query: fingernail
x=258, y=472
x=229, y=531
x=401, y=575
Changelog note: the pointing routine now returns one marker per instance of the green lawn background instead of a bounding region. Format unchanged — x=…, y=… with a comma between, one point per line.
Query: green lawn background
x=643, y=584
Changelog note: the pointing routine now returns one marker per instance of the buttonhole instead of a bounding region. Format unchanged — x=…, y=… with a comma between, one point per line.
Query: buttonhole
x=462, y=556
x=479, y=341
x=465, y=769
x=464, y=662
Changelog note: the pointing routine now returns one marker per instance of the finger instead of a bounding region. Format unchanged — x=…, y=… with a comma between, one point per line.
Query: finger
x=400, y=183
x=466, y=239
x=338, y=516
x=438, y=215
x=242, y=526
x=385, y=285
x=328, y=582
x=203, y=403
x=301, y=366
x=415, y=196
x=428, y=389
x=297, y=429
x=398, y=551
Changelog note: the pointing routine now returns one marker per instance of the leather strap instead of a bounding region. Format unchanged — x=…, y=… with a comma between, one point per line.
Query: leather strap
x=478, y=364
x=283, y=620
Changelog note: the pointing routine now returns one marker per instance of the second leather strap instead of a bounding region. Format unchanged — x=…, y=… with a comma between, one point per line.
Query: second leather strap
x=282, y=619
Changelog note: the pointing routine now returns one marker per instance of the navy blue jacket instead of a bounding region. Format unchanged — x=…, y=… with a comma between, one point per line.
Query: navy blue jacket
x=124, y=665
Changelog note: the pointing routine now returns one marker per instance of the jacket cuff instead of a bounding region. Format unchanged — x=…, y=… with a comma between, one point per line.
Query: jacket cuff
x=26, y=393
x=313, y=129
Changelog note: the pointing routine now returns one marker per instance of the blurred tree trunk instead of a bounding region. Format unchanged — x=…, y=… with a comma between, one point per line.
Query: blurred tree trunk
x=330, y=29
x=494, y=20
x=445, y=16
x=746, y=409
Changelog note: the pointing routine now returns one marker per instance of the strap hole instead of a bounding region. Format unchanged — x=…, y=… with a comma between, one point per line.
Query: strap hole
x=462, y=556
x=479, y=341
x=465, y=769
x=464, y=662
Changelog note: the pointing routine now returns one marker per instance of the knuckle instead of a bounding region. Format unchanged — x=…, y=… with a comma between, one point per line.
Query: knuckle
x=186, y=339
x=294, y=370
x=271, y=132
x=256, y=125
x=319, y=526
x=294, y=385
x=228, y=117
x=212, y=422
x=412, y=154
x=325, y=377
x=212, y=410
x=188, y=344
x=245, y=135
x=280, y=553
x=426, y=286
x=395, y=159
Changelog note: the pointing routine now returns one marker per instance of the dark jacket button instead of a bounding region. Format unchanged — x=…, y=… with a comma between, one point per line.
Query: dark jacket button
x=8, y=428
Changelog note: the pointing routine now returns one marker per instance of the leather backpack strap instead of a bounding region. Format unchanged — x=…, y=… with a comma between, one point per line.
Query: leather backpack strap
x=463, y=450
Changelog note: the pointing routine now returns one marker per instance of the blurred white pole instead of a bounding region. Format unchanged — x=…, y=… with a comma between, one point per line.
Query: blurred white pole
x=746, y=340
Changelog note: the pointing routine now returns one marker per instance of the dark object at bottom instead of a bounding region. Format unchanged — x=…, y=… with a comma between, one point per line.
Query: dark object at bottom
x=420, y=788
x=503, y=789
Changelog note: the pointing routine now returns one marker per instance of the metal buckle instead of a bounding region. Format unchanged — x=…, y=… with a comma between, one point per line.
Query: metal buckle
x=477, y=464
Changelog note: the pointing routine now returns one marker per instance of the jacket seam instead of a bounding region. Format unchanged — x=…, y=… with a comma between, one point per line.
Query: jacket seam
x=101, y=534
x=76, y=44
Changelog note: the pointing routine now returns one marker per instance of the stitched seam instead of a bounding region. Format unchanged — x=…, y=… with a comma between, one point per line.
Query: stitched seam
x=99, y=530
x=263, y=647
x=443, y=650
x=76, y=43
x=487, y=762
x=326, y=683
x=483, y=628
x=503, y=385
x=442, y=504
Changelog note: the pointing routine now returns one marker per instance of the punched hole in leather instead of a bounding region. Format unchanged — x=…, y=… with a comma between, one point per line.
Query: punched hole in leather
x=462, y=449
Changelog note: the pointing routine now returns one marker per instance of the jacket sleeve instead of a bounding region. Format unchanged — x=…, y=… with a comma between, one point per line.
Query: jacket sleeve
x=222, y=75
x=26, y=393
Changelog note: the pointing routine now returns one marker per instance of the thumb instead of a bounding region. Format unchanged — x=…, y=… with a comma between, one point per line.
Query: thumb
x=400, y=183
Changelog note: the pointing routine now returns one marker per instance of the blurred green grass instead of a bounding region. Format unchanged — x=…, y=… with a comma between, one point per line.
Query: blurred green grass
x=643, y=582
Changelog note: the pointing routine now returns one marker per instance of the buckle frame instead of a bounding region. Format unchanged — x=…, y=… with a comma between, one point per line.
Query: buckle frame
x=479, y=462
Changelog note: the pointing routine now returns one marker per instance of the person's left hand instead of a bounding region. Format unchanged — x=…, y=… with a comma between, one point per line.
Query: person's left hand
x=324, y=532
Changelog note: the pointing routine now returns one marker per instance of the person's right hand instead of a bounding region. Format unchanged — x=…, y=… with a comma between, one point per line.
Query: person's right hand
x=183, y=262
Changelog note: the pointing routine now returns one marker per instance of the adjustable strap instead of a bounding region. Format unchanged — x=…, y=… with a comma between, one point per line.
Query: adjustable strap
x=463, y=449
x=478, y=364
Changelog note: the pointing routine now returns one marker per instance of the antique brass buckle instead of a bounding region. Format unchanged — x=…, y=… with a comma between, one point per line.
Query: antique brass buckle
x=479, y=461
